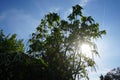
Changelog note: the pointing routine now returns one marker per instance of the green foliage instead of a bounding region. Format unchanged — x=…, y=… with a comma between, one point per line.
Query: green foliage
x=59, y=42
x=19, y=66
x=10, y=43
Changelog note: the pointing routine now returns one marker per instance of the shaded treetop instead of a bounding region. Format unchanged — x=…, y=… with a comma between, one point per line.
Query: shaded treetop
x=9, y=43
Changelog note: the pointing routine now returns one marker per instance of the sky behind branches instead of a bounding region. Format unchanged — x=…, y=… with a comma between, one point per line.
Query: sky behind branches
x=23, y=16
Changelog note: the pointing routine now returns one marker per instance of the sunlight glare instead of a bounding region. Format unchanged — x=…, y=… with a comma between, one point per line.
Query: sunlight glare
x=85, y=48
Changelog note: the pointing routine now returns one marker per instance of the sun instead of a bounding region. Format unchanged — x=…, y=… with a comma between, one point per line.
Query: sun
x=85, y=48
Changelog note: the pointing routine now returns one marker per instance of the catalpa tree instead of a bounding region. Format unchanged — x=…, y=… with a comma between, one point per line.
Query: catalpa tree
x=64, y=45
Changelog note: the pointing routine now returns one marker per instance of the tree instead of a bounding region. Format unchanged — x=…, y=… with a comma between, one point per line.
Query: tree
x=59, y=44
x=113, y=74
x=9, y=47
x=9, y=43
x=14, y=63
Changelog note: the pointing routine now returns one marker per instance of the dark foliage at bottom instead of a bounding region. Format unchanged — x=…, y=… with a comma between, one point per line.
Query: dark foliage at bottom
x=19, y=66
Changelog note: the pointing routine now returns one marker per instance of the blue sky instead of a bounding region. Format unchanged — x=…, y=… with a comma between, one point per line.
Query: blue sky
x=23, y=16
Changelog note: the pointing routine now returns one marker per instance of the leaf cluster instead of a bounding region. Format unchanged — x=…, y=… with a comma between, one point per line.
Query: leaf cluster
x=9, y=43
